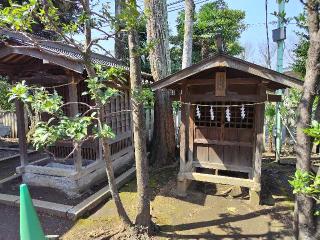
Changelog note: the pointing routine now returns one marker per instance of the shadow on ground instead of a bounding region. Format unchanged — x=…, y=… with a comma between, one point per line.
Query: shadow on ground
x=202, y=214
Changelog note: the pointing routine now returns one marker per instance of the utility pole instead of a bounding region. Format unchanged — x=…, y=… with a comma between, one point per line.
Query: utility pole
x=279, y=35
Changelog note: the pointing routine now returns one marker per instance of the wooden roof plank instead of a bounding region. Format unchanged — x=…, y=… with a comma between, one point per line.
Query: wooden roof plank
x=226, y=61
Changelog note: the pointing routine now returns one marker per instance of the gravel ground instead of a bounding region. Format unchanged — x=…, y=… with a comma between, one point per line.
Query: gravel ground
x=7, y=153
x=8, y=168
x=9, y=224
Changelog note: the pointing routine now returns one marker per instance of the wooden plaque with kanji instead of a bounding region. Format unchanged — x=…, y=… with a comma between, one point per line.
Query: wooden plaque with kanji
x=221, y=84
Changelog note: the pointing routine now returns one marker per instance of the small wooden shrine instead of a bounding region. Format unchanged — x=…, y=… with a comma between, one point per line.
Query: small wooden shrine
x=58, y=67
x=222, y=119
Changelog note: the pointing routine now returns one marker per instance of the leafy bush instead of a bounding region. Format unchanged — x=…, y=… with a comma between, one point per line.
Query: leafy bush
x=5, y=105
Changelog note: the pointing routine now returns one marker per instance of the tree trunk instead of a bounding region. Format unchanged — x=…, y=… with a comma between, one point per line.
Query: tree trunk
x=143, y=212
x=305, y=205
x=112, y=184
x=105, y=146
x=119, y=40
x=109, y=168
x=317, y=111
x=163, y=141
x=188, y=32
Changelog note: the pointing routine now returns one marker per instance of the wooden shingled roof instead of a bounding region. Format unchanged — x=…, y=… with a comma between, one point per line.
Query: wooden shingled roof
x=56, y=52
x=275, y=79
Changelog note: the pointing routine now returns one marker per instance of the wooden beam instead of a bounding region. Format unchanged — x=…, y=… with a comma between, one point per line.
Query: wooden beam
x=274, y=98
x=222, y=166
x=35, y=52
x=211, y=97
x=222, y=143
x=220, y=180
x=21, y=132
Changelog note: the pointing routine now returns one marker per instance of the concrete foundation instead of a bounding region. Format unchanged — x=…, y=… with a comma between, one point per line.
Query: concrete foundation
x=65, y=178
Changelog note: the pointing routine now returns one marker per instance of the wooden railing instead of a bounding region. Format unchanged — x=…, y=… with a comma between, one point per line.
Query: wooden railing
x=9, y=119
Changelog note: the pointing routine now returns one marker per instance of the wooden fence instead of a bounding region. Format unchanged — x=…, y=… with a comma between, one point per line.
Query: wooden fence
x=149, y=113
x=9, y=119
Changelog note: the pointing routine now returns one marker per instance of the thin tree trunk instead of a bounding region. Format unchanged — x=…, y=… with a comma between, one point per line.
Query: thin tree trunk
x=188, y=32
x=112, y=184
x=119, y=41
x=305, y=205
x=163, y=141
x=317, y=111
x=105, y=145
x=143, y=212
x=270, y=142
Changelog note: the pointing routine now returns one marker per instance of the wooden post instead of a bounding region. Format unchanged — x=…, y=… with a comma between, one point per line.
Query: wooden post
x=73, y=111
x=183, y=183
x=21, y=133
x=258, y=146
x=73, y=97
x=191, y=137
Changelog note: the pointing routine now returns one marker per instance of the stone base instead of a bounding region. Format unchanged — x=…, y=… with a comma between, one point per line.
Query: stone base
x=71, y=185
x=65, y=178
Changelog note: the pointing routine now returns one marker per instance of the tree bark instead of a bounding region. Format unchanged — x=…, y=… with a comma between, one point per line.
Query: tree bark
x=119, y=41
x=163, y=141
x=188, y=32
x=105, y=145
x=305, y=205
x=143, y=212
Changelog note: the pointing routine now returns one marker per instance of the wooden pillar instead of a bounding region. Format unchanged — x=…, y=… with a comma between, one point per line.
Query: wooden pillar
x=183, y=183
x=21, y=132
x=73, y=111
x=258, y=146
x=73, y=97
x=184, y=130
x=190, y=138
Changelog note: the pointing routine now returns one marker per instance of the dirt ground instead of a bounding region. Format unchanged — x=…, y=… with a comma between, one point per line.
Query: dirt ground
x=204, y=213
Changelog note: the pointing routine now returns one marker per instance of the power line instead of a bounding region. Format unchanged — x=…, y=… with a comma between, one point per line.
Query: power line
x=182, y=7
x=267, y=31
x=174, y=3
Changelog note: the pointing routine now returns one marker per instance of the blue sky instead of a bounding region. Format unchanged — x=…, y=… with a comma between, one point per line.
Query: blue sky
x=254, y=38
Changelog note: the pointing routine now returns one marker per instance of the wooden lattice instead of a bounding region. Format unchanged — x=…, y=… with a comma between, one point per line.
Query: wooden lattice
x=220, y=115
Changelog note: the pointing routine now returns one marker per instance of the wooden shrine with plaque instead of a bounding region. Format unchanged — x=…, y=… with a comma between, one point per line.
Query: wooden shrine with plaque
x=222, y=119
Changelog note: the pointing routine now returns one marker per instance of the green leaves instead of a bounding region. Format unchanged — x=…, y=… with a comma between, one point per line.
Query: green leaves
x=129, y=18
x=19, y=17
x=97, y=88
x=39, y=98
x=20, y=91
x=270, y=114
x=144, y=96
x=301, y=182
x=44, y=135
x=43, y=101
x=105, y=132
x=314, y=132
x=212, y=18
x=176, y=105
x=47, y=133
x=307, y=184
x=4, y=95
x=99, y=91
